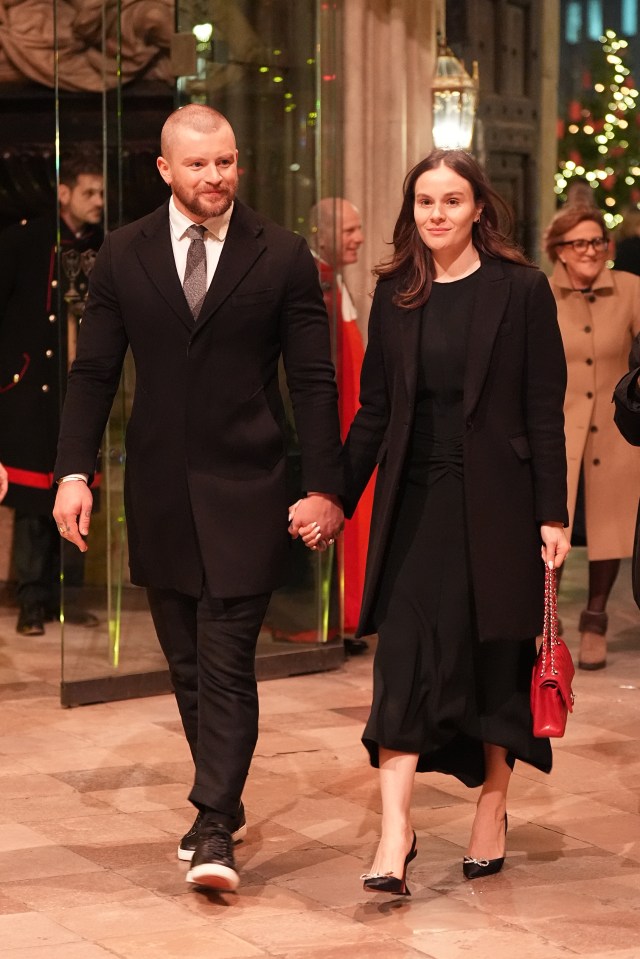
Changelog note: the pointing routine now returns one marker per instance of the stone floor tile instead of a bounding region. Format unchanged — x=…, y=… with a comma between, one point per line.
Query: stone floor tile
x=16, y=836
x=148, y=915
x=40, y=807
x=55, y=892
x=30, y=929
x=73, y=759
x=32, y=784
x=98, y=829
x=303, y=930
x=615, y=927
x=139, y=799
x=70, y=950
x=186, y=943
x=38, y=861
x=499, y=943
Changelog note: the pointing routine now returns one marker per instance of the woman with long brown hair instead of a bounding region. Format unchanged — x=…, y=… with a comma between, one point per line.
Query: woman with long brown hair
x=461, y=408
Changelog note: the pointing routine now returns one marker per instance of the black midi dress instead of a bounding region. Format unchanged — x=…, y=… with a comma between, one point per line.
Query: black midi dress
x=437, y=690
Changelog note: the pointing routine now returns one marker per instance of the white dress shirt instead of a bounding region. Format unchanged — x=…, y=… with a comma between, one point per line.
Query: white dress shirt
x=216, y=227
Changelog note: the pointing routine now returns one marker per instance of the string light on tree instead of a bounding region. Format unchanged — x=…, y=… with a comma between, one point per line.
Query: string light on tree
x=600, y=139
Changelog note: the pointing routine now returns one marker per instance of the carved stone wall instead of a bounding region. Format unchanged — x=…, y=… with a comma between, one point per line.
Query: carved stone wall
x=389, y=59
x=516, y=45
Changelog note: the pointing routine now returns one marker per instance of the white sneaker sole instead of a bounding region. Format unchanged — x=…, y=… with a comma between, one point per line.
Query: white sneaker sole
x=186, y=855
x=214, y=875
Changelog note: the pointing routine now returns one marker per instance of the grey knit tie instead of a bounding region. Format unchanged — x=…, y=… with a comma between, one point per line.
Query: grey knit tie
x=195, y=275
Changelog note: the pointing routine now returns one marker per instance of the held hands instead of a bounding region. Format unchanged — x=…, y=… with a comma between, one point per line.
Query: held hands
x=556, y=545
x=4, y=482
x=317, y=519
x=72, y=512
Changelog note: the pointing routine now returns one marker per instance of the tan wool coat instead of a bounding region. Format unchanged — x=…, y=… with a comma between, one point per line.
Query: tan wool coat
x=597, y=330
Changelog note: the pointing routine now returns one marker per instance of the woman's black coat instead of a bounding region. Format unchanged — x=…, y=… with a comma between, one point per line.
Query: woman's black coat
x=513, y=447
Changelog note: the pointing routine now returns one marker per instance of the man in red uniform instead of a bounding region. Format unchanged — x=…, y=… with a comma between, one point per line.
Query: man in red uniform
x=336, y=238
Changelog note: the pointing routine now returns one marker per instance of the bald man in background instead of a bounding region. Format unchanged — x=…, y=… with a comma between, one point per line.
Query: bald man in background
x=205, y=492
x=336, y=238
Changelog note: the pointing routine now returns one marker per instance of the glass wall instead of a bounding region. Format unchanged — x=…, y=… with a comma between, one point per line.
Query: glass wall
x=271, y=67
x=113, y=86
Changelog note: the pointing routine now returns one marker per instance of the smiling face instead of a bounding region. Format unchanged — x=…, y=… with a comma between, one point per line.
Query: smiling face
x=444, y=210
x=583, y=266
x=350, y=237
x=201, y=169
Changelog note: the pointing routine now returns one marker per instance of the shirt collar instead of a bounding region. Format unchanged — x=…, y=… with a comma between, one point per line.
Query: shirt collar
x=217, y=226
x=603, y=282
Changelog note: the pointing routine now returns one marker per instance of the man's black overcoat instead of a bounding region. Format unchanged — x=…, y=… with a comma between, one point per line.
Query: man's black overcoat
x=205, y=491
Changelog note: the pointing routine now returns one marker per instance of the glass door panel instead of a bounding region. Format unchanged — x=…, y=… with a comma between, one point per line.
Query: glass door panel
x=272, y=68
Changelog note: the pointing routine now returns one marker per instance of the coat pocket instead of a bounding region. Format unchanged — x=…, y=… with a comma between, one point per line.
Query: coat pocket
x=520, y=444
x=382, y=452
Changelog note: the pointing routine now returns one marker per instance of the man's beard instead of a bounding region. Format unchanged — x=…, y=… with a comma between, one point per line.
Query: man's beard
x=206, y=209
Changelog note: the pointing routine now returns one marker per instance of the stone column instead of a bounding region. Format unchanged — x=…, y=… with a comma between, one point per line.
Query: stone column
x=389, y=60
x=547, y=159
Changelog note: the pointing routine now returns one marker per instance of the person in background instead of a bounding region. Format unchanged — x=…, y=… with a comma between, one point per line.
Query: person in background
x=336, y=238
x=579, y=192
x=626, y=398
x=627, y=240
x=461, y=409
x=208, y=295
x=599, y=314
x=33, y=369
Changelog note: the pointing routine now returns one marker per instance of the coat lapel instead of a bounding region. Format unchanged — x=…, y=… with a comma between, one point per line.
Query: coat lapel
x=491, y=301
x=156, y=256
x=243, y=245
x=409, y=323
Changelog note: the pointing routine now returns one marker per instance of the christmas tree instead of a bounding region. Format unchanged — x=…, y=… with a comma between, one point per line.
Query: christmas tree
x=600, y=140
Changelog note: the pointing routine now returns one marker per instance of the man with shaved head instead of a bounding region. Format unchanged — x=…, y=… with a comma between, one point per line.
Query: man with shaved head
x=208, y=295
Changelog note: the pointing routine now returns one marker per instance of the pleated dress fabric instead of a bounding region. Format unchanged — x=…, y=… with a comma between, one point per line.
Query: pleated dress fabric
x=437, y=690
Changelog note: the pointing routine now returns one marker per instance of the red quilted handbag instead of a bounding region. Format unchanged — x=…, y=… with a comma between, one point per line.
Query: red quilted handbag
x=551, y=694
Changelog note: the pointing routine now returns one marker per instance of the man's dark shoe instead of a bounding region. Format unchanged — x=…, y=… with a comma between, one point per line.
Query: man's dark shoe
x=31, y=620
x=78, y=616
x=355, y=647
x=74, y=616
x=213, y=864
x=189, y=841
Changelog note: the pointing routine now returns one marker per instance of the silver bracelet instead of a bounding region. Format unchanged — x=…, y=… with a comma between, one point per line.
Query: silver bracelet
x=73, y=477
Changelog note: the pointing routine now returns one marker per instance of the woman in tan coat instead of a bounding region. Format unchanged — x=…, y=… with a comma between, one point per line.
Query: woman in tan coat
x=599, y=314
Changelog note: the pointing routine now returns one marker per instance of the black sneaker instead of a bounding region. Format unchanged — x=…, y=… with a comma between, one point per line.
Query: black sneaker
x=213, y=864
x=189, y=841
x=31, y=620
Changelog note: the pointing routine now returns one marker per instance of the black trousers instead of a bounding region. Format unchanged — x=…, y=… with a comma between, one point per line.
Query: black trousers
x=210, y=647
x=37, y=554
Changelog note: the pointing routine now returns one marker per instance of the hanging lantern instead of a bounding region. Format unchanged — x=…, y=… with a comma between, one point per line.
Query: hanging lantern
x=455, y=96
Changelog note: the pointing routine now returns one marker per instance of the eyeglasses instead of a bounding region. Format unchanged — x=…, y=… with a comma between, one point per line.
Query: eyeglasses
x=599, y=243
